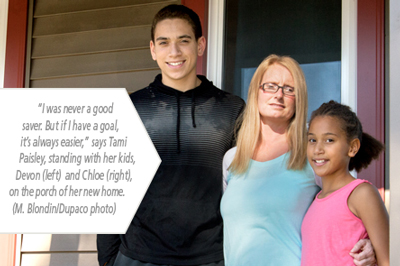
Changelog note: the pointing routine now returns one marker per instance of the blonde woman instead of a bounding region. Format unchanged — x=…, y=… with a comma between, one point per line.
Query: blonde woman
x=270, y=184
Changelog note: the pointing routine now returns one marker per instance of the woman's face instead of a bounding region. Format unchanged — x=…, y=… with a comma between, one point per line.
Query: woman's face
x=277, y=107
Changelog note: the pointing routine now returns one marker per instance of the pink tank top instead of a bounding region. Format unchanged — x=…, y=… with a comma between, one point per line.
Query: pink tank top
x=330, y=230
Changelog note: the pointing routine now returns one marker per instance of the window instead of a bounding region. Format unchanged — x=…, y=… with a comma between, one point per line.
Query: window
x=309, y=31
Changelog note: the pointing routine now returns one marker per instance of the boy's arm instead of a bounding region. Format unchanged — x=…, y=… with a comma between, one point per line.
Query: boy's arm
x=363, y=253
x=366, y=203
x=107, y=247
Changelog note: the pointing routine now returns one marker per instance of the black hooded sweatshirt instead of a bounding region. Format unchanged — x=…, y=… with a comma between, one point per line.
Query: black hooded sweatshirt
x=179, y=220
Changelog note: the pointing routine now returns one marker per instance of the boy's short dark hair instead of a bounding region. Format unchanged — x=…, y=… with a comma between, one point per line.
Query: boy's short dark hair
x=178, y=11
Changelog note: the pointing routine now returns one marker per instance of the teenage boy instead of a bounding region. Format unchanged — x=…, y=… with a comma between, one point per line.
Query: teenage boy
x=191, y=123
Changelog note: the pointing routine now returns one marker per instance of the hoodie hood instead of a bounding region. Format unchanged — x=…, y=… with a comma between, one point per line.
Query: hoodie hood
x=192, y=94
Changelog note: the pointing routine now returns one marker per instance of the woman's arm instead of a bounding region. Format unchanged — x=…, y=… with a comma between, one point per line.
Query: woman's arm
x=228, y=158
x=366, y=203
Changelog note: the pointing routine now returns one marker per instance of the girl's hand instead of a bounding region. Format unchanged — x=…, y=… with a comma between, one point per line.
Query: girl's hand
x=363, y=253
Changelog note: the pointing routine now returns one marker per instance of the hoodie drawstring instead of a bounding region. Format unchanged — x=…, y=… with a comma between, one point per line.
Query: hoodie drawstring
x=193, y=102
x=178, y=124
x=178, y=119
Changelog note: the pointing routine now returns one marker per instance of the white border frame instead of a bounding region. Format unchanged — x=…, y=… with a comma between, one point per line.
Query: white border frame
x=393, y=126
x=216, y=28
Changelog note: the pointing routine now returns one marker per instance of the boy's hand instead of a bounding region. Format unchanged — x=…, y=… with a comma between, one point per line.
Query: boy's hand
x=363, y=253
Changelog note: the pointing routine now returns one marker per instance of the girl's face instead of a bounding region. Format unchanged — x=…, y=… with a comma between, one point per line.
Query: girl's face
x=328, y=149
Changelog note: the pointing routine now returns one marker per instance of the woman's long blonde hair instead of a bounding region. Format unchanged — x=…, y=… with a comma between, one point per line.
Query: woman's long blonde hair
x=249, y=123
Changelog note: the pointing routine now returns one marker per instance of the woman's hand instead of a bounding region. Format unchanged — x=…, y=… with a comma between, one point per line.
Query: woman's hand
x=363, y=253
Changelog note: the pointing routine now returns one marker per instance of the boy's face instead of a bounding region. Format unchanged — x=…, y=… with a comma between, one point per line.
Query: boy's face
x=176, y=49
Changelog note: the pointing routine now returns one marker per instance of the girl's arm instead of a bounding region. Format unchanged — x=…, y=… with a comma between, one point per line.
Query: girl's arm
x=366, y=203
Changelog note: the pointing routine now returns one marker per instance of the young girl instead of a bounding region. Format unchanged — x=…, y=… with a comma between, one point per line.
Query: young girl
x=347, y=209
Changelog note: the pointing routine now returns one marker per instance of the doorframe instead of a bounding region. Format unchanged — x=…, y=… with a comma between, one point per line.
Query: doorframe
x=14, y=72
x=371, y=81
x=216, y=26
x=349, y=54
x=201, y=8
